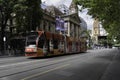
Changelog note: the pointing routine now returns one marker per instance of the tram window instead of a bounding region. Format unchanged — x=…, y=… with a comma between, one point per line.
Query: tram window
x=33, y=34
x=31, y=40
x=76, y=43
x=32, y=37
x=51, y=41
x=41, y=41
x=70, y=43
x=62, y=42
x=55, y=42
x=31, y=43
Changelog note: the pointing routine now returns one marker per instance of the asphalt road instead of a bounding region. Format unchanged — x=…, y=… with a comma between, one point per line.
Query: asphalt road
x=100, y=64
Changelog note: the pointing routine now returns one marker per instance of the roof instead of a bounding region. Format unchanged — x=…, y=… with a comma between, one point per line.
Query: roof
x=54, y=10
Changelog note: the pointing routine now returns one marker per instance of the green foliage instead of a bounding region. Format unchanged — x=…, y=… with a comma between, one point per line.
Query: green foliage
x=28, y=14
x=6, y=8
x=107, y=11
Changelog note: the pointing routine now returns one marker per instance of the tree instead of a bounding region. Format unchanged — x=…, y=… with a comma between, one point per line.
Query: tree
x=28, y=15
x=107, y=11
x=87, y=36
x=6, y=8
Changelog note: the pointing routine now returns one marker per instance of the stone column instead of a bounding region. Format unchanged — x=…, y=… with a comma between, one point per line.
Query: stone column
x=68, y=28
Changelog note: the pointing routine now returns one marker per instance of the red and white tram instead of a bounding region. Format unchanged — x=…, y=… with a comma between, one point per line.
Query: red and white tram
x=41, y=43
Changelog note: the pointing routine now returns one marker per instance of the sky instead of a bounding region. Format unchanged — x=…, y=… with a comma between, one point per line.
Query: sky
x=82, y=14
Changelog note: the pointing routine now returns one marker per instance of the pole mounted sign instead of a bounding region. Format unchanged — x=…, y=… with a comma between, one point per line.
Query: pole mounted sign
x=60, y=27
x=59, y=24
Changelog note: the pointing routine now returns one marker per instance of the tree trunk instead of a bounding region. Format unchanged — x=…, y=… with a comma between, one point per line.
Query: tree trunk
x=2, y=36
x=3, y=26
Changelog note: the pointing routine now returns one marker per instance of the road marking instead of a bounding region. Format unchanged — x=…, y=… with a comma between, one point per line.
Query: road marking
x=21, y=63
x=32, y=76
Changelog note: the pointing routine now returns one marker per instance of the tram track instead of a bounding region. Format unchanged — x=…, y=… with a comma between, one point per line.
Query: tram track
x=22, y=68
x=29, y=70
x=44, y=64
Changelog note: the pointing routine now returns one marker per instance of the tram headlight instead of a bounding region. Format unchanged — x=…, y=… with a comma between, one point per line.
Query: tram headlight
x=30, y=50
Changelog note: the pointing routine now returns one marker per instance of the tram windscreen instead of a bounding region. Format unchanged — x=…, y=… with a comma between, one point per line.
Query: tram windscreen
x=31, y=39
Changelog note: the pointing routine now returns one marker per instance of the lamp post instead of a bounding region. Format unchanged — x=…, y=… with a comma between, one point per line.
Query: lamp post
x=65, y=44
x=60, y=27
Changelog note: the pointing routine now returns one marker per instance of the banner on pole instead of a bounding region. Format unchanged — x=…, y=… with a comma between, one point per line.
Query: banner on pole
x=60, y=24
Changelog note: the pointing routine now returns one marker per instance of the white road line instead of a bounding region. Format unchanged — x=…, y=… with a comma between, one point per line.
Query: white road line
x=44, y=72
x=20, y=63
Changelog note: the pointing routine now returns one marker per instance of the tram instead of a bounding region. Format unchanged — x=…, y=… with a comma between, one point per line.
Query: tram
x=41, y=44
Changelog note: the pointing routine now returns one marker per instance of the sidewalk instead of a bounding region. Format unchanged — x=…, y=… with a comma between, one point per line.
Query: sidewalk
x=113, y=70
x=7, y=54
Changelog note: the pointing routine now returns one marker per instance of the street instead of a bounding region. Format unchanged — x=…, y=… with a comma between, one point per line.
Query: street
x=99, y=64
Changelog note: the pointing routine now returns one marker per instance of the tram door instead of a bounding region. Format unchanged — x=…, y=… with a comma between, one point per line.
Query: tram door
x=51, y=46
x=70, y=46
x=42, y=44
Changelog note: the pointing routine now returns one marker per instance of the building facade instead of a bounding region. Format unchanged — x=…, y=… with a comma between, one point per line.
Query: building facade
x=98, y=33
x=69, y=15
x=95, y=31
